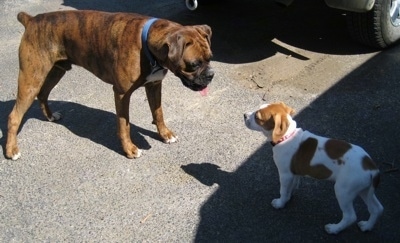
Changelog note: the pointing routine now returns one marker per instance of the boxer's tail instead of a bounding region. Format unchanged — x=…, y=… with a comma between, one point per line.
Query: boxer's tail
x=23, y=18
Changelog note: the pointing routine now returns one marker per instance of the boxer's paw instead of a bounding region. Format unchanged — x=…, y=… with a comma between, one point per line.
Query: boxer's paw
x=55, y=116
x=134, y=155
x=332, y=228
x=16, y=156
x=364, y=226
x=133, y=152
x=168, y=136
x=173, y=139
x=277, y=203
x=13, y=153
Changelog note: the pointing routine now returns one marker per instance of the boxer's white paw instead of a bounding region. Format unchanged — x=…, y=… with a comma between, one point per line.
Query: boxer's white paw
x=173, y=139
x=16, y=156
x=55, y=116
x=364, y=226
x=332, y=228
x=138, y=154
x=277, y=203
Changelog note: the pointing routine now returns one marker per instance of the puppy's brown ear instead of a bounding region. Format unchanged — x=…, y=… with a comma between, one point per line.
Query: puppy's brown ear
x=289, y=110
x=205, y=31
x=281, y=126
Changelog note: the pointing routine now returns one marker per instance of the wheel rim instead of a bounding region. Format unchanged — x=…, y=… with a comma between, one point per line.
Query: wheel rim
x=395, y=12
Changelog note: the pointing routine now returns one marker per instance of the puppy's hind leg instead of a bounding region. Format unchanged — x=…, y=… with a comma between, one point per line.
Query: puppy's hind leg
x=52, y=79
x=345, y=195
x=375, y=208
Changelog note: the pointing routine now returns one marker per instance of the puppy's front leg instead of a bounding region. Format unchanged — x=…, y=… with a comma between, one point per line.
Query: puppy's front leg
x=123, y=125
x=153, y=93
x=287, y=185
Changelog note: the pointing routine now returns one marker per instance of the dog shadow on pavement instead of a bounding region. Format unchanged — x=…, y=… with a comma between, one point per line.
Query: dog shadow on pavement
x=97, y=125
x=361, y=108
x=250, y=31
x=240, y=209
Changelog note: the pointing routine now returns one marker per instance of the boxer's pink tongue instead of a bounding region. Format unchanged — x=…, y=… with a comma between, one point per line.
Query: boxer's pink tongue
x=204, y=91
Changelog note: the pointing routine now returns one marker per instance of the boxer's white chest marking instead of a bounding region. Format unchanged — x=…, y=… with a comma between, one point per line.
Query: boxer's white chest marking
x=157, y=74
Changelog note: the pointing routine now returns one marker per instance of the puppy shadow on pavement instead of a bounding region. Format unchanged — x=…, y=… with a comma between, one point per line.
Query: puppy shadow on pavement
x=83, y=121
x=360, y=109
x=240, y=209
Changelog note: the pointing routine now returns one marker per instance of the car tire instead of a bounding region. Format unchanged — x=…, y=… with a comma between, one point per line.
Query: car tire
x=379, y=27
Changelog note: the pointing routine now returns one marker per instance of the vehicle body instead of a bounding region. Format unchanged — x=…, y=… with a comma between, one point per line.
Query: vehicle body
x=375, y=23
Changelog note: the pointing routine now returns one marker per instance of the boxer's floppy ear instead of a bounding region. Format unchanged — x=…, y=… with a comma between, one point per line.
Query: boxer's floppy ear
x=176, y=45
x=205, y=31
x=281, y=126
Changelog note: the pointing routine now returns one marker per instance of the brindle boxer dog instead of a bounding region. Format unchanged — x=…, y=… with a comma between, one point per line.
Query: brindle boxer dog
x=111, y=46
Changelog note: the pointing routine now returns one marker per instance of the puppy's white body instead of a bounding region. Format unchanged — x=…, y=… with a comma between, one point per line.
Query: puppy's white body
x=301, y=153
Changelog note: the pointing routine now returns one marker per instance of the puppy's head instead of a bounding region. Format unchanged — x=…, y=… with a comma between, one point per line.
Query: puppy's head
x=272, y=120
x=189, y=55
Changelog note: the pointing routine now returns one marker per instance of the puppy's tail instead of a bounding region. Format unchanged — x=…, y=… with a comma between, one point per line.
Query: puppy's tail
x=24, y=18
x=376, y=180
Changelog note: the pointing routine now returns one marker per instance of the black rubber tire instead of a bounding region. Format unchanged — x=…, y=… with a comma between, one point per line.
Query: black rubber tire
x=374, y=28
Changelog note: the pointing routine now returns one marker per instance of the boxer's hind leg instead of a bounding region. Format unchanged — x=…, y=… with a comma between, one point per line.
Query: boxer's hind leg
x=53, y=77
x=153, y=93
x=123, y=125
x=30, y=80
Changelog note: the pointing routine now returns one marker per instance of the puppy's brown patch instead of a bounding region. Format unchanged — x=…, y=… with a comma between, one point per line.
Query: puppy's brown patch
x=368, y=164
x=300, y=164
x=335, y=149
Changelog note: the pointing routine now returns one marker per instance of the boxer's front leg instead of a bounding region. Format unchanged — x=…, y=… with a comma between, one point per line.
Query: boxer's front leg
x=153, y=92
x=123, y=125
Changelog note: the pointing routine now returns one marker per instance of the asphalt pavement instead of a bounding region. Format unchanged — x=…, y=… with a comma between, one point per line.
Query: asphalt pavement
x=74, y=184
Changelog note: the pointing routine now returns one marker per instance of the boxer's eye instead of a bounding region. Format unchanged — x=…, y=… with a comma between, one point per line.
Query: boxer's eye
x=194, y=66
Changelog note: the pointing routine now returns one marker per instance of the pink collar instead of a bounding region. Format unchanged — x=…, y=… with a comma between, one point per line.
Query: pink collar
x=284, y=138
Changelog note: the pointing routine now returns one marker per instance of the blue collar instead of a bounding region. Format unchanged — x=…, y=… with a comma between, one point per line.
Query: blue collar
x=145, y=33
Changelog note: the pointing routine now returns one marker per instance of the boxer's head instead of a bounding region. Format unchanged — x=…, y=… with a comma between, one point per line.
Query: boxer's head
x=189, y=56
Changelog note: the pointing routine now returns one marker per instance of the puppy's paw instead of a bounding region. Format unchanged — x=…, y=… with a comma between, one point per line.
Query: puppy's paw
x=55, y=116
x=364, y=226
x=332, y=228
x=277, y=203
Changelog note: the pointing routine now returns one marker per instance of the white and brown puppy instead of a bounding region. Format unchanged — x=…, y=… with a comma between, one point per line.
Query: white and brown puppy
x=301, y=153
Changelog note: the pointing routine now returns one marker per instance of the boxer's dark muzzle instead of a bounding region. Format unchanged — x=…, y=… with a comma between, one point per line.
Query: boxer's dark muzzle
x=199, y=82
